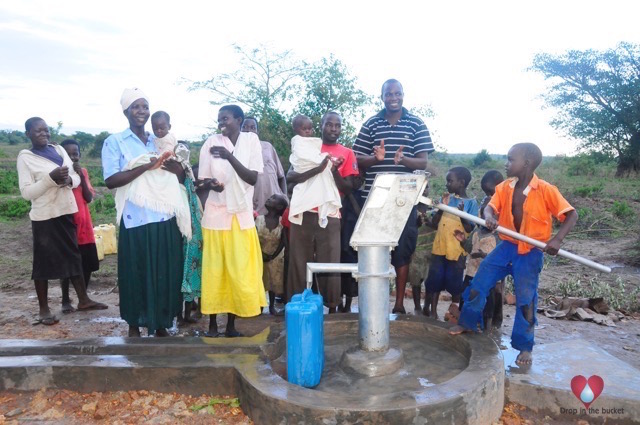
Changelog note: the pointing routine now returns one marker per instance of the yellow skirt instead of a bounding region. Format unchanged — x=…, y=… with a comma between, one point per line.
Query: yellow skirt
x=232, y=272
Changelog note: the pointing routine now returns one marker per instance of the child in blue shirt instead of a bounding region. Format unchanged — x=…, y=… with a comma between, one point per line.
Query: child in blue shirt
x=446, y=271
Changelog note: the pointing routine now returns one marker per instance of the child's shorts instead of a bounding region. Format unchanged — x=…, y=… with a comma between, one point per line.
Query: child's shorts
x=445, y=275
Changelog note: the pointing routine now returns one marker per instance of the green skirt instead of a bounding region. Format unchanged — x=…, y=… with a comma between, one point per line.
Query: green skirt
x=150, y=261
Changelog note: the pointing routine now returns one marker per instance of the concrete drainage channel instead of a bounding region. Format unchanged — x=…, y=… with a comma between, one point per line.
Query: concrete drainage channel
x=443, y=379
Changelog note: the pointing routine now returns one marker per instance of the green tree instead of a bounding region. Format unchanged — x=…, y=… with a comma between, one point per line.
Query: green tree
x=84, y=139
x=13, y=137
x=328, y=86
x=597, y=96
x=56, y=136
x=96, y=150
x=264, y=83
x=481, y=158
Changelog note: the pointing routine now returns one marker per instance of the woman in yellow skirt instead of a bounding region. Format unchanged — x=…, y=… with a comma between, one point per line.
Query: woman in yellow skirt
x=232, y=259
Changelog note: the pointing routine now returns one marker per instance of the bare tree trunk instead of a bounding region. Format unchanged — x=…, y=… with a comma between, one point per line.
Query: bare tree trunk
x=629, y=160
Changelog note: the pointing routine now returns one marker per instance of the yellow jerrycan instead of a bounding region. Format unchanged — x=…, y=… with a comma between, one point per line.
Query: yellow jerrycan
x=108, y=233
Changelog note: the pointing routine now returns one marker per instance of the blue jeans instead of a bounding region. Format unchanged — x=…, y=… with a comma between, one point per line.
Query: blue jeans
x=502, y=261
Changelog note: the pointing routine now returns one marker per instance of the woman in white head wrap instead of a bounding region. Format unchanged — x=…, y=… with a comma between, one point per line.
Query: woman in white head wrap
x=150, y=256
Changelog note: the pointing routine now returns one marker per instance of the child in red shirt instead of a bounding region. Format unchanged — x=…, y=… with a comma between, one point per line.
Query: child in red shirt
x=86, y=239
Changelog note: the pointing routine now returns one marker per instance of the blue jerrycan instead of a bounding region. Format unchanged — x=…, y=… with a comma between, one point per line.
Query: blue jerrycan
x=305, y=339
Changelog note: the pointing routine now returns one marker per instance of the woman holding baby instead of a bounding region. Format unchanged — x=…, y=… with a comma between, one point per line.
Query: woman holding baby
x=150, y=256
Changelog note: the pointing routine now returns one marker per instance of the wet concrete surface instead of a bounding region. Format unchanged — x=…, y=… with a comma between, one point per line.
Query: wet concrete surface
x=545, y=386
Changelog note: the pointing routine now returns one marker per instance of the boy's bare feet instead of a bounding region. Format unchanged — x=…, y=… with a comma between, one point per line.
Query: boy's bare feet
x=457, y=330
x=134, y=332
x=524, y=358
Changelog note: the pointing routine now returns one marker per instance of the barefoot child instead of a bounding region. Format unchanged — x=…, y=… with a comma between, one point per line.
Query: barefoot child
x=479, y=244
x=525, y=204
x=446, y=270
x=272, y=242
x=84, y=227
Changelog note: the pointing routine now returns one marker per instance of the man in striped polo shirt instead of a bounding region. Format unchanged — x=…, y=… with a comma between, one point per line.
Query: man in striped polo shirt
x=395, y=141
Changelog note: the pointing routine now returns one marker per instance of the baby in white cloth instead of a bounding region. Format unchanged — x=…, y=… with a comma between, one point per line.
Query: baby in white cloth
x=318, y=193
x=161, y=124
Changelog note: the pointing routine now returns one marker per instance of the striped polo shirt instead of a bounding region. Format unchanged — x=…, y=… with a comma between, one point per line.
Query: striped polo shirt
x=410, y=132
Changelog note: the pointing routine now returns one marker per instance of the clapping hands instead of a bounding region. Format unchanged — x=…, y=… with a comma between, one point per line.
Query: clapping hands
x=220, y=152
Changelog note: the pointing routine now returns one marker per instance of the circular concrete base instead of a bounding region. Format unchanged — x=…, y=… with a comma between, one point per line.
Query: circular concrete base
x=372, y=363
x=442, y=379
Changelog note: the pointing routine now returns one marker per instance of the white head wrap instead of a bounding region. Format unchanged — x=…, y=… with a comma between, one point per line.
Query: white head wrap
x=131, y=95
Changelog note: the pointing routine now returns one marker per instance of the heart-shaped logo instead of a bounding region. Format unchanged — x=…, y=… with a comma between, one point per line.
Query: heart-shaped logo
x=587, y=390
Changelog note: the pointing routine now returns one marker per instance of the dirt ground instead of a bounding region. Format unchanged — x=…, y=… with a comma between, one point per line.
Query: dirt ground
x=19, y=307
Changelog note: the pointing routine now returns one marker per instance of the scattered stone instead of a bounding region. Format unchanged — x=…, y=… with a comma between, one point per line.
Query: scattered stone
x=164, y=402
x=601, y=319
x=90, y=407
x=628, y=348
x=100, y=414
x=583, y=315
x=51, y=414
x=14, y=412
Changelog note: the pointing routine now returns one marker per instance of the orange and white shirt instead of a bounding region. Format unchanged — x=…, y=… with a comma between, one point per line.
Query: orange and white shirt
x=543, y=202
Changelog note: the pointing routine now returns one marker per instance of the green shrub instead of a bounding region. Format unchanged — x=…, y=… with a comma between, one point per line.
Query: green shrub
x=481, y=158
x=95, y=175
x=103, y=205
x=622, y=210
x=616, y=295
x=14, y=208
x=584, y=214
x=9, y=182
x=581, y=165
x=589, y=191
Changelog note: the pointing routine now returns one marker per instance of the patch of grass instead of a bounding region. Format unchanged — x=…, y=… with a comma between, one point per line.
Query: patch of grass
x=231, y=402
x=622, y=210
x=589, y=191
x=14, y=208
x=616, y=295
x=9, y=182
x=95, y=175
x=103, y=209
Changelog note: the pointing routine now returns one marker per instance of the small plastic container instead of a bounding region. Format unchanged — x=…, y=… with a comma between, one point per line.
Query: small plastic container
x=100, y=247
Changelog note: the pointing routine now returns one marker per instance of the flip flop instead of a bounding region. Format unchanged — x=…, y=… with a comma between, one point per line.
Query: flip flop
x=96, y=306
x=48, y=320
x=212, y=335
x=234, y=334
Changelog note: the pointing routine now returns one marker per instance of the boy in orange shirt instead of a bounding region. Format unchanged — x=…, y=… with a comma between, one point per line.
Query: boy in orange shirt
x=523, y=203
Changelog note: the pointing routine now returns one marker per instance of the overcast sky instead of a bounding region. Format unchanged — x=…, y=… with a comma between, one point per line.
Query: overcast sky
x=69, y=61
